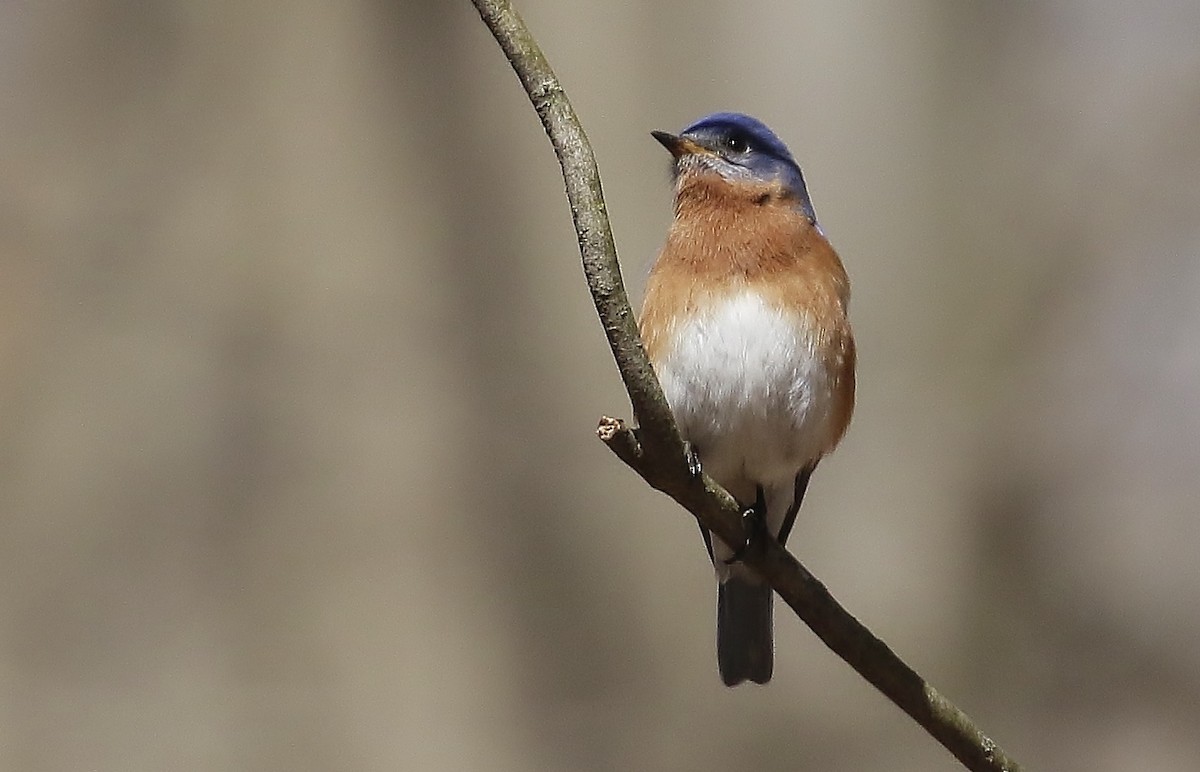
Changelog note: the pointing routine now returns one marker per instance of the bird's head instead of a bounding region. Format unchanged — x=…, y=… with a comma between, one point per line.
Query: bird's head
x=742, y=150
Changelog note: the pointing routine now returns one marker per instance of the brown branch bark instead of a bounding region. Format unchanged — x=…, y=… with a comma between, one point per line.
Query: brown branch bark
x=655, y=449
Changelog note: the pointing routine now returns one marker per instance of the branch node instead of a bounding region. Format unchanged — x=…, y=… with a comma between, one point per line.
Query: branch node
x=622, y=441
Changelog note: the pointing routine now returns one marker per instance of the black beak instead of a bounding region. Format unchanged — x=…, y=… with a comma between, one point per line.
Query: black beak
x=666, y=139
x=679, y=146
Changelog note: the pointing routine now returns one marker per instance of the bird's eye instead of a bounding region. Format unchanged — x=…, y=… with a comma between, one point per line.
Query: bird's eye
x=736, y=143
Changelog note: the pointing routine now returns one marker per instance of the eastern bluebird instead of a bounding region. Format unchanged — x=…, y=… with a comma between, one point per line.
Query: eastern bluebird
x=745, y=322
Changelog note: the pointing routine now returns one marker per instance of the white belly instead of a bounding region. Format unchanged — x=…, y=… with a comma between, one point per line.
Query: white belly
x=749, y=392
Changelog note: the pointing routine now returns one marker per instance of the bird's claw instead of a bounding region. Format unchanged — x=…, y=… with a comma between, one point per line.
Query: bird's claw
x=693, y=460
x=754, y=526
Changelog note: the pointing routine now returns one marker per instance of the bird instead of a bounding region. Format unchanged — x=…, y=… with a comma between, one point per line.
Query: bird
x=744, y=320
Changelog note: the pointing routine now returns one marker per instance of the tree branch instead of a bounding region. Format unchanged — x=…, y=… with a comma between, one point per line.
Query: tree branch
x=655, y=450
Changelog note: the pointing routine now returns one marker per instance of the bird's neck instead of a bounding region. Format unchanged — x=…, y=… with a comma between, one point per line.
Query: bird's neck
x=737, y=228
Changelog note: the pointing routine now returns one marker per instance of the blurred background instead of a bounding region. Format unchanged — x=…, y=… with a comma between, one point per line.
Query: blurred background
x=299, y=378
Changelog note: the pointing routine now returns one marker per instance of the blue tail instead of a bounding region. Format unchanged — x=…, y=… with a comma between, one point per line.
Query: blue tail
x=745, y=650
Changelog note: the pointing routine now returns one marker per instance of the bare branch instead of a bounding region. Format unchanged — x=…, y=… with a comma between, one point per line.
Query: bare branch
x=655, y=449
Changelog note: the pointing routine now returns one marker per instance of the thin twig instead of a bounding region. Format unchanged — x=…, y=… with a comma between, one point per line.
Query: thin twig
x=655, y=449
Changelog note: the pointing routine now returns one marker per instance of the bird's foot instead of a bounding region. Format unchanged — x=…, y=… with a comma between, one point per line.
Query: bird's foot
x=754, y=526
x=693, y=460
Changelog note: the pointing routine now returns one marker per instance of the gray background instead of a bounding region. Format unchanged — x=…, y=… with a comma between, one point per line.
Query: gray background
x=298, y=380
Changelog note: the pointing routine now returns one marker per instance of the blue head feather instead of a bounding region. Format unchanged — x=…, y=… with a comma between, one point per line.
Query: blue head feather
x=764, y=154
